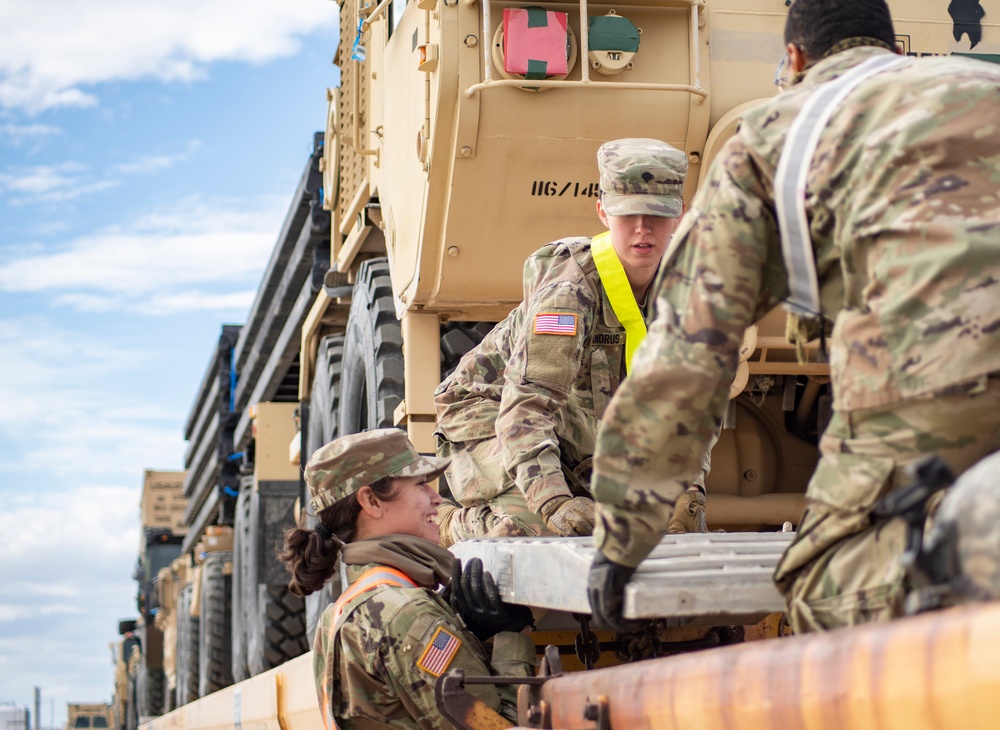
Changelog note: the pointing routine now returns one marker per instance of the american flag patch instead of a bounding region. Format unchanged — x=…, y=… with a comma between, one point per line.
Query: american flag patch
x=554, y=323
x=439, y=653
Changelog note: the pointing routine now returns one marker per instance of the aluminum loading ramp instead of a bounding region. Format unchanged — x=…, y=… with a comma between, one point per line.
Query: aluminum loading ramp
x=694, y=579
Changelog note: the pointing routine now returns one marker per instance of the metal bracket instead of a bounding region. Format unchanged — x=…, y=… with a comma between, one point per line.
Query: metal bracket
x=532, y=710
x=467, y=712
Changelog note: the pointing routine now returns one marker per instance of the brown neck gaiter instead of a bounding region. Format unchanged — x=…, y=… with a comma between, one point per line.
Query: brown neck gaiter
x=423, y=561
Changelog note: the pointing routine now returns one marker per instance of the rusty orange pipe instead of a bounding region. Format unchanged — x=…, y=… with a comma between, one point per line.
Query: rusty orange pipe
x=938, y=670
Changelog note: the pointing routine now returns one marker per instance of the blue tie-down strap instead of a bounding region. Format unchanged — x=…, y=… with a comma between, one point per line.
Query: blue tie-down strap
x=358, y=52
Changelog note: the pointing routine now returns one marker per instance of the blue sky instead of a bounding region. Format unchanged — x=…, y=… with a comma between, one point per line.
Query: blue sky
x=148, y=153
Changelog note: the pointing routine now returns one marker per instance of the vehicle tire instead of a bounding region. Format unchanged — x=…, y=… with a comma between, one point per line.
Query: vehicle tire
x=277, y=632
x=324, y=400
x=274, y=617
x=155, y=681
x=188, y=635
x=457, y=338
x=324, y=412
x=284, y=625
x=215, y=658
x=371, y=383
x=243, y=581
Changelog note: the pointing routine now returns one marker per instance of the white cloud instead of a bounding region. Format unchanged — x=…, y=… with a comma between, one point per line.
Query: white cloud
x=21, y=134
x=155, y=264
x=41, y=179
x=147, y=164
x=51, y=52
x=69, y=180
x=50, y=183
x=62, y=393
x=67, y=561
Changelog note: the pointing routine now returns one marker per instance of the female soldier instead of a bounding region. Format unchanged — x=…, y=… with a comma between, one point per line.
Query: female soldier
x=380, y=648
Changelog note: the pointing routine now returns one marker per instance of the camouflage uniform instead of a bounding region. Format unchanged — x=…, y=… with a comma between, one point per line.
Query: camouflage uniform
x=379, y=653
x=904, y=219
x=521, y=409
x=542, y=394
x=370, y=675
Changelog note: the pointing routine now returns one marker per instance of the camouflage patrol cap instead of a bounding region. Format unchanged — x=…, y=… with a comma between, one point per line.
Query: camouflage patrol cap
x=642, y=176
x=343, y=466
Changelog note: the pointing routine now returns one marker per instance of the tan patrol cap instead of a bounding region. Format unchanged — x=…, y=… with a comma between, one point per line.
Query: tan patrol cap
x=343, y=466
x=642, y=176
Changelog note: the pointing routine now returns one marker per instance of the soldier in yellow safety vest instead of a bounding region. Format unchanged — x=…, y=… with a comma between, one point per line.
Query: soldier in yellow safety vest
x=381, y=647
x=518, y=417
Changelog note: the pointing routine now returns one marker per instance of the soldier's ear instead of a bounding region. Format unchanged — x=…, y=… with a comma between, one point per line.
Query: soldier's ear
x=797, y=58
x=602, y=214
x=368, y=501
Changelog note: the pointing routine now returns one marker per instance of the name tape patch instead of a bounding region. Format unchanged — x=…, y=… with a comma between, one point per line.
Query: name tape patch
x=555, y=323
x=439, y=652
x=604, y=339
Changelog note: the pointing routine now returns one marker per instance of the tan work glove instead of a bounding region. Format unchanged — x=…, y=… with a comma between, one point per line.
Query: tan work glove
x=689, y=513
x=569, y=516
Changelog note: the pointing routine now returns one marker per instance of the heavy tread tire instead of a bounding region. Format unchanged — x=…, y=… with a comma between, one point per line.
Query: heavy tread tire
x=324, y=401
x=150, y=689
x=371, y=384
x=457, y=338
x=243, y=581
x=324, y=412
x=188, y=636
x=284, y=625
x=215, y=660
x=276, y=628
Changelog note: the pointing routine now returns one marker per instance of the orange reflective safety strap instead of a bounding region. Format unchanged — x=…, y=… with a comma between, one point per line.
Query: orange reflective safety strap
x=370, y=579
x=619, y=291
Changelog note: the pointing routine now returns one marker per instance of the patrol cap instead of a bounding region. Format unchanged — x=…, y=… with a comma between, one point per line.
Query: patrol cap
x=343, y=466
x=642, y=176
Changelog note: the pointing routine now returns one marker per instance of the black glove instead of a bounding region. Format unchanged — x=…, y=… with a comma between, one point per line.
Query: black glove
x=606, y=591
x=474, y=596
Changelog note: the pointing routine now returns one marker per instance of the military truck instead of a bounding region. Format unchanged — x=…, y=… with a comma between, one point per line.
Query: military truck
x=446, y=160
x=240, y=482
x=88, y=715
x=123, y=703
x=141, y=650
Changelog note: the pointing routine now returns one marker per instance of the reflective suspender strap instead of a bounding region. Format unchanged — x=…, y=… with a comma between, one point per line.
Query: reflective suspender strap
x=619, y=292
x=369, y=580
x=790, y=181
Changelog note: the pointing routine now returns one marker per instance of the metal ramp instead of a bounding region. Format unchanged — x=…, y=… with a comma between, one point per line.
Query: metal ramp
x=695, y=579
